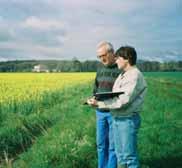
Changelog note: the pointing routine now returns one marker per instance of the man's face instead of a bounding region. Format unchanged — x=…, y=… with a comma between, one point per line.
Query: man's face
x=105, y=57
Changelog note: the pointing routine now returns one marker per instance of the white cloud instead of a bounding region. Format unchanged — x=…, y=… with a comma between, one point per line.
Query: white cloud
x=74, y=27
x=37, y=23
x=1, y=18
x=3, y=59
x=33, y=50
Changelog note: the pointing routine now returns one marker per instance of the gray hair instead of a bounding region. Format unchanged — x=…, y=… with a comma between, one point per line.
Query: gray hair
x=109, y=46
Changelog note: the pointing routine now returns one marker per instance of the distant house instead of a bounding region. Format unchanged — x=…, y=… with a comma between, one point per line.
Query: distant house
x=40, y=68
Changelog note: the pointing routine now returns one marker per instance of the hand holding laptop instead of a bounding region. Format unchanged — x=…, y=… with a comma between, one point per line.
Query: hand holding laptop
x=92, y=102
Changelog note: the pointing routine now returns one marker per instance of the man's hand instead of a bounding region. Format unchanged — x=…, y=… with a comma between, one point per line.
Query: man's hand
x=92, y=102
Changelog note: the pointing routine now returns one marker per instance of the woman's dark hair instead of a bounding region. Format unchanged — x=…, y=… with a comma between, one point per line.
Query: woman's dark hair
x=127, y=52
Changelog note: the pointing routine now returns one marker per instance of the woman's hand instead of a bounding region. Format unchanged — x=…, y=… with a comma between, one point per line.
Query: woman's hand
x=92, y=102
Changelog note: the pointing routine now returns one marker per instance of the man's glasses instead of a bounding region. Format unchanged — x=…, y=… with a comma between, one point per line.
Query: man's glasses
x=102, y=56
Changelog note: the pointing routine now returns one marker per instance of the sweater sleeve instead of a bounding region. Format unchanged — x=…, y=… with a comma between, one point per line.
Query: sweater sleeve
x=130, y=90
x=95, y=85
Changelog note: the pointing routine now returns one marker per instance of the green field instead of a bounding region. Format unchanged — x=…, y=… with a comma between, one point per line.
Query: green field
x=60, y=132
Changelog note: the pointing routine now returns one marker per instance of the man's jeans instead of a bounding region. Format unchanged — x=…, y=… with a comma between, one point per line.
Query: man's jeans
x=125, y=138
x=105, y=141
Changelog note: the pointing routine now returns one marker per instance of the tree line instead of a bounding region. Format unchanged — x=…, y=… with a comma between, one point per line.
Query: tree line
x=75, y=65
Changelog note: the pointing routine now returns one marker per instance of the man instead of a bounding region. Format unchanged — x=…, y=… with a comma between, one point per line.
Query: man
x=104, y=81
x=126, y=107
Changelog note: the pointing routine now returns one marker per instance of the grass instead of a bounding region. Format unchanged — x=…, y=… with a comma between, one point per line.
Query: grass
x=70, y=142
x=160, y=138
x=65, y=134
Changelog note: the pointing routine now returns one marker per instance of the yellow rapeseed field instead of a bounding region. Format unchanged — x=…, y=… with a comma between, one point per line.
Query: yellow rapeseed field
x=24, y=86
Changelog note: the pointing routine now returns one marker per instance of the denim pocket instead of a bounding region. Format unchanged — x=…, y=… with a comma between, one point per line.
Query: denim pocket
x=136, y=121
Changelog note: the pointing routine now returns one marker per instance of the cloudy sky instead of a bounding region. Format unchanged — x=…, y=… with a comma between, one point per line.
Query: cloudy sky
x=63, y=29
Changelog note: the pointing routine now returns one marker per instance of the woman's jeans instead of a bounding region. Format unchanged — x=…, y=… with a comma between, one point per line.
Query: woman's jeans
x=125, y=139
x=105, y=141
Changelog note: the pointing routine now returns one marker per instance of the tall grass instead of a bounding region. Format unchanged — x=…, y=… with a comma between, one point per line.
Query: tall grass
x=63, y=134
x=160, y=138
x=68, y=143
